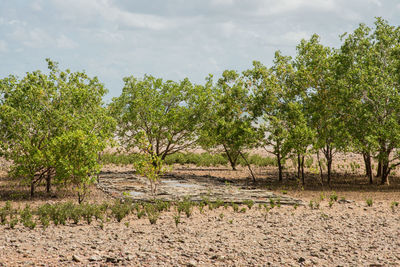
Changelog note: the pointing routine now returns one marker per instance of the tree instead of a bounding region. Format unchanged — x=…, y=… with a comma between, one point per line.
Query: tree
x=52, y=125
x=267, y=108
x=371, y=94
x=316, y=77
x=168, y=113
x=229, y=124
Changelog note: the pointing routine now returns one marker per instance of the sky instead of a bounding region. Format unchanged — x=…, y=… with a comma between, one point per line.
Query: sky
x=171, y=39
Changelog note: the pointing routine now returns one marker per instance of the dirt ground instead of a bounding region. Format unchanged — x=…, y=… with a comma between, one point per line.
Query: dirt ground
x=347, y=234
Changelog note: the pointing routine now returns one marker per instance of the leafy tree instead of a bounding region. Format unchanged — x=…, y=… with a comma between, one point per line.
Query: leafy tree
x=316, y=77
x=371, y=94
x=53, y=126
x=268, y=104
x=168, y=113
x=229, y=124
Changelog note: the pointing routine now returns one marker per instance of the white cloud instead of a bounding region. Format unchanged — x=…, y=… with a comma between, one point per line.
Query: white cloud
x=3, y=46
x=108, y=11
x=278, y=7
x=65, y=43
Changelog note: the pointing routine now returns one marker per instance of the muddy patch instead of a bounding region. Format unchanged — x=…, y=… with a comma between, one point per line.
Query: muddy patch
x=196, y=188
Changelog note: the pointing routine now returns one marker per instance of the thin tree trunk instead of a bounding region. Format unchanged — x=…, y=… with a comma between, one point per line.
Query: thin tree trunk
x=48, y=181
x=32, y=189
x=320, y=169
x=248, y=165
x=231, y=160
x=298, y=166
x=302, y=170
x=368, y=166
x=279, y=167
x=328, y=156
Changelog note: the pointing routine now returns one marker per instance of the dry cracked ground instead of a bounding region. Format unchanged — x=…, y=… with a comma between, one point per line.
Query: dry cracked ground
x=347, y=234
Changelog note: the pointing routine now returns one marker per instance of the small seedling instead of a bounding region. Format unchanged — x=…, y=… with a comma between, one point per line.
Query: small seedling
x=249, y=203
x=230, y=221
x=295, y=206
x=243, y=210
x=311, y=204
x=221, y=216
x=321, y=196
x=284, y=192
x=127, y=224
x=235, y=207
x=177, y=219
x=333, y=196
x=394, y=205
x=330, y=203
x=369, y=202
x=272, y=203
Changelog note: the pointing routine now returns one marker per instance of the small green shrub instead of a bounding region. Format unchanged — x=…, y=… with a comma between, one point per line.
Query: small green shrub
x=369, y=202
x=249, y=203
x=120, y=209
x=333, y=196
x=151, y=212
x=26, y=217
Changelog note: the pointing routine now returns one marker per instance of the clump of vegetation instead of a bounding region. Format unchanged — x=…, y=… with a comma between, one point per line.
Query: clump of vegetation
x=369, y=202
x=151, y=212
x=249, y=203
x=185, y=206
x=120, y=209
x=333, y=196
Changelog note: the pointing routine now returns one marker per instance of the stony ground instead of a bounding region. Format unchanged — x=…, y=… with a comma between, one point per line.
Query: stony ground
x=347, y=234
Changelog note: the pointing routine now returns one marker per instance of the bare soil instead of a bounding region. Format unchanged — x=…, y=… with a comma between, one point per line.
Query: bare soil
x=347, y=234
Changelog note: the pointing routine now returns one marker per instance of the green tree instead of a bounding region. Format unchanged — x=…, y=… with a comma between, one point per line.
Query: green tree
x=52, y=125
x=168, y=113
x=317, y=81
x=228, y=123
x=370, y=90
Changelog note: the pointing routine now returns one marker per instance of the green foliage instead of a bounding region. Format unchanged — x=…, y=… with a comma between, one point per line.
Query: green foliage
x=249, y=203
x=333, y=196
x=26, y=217
x=228, y=124
x=151, y=212
x=120, y=209
x=169, y=113
x=54, y=126
x=369, y=202
x=185, y=206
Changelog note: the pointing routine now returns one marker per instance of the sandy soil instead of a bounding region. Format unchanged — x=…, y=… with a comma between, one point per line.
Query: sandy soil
x=350, y=234
x=347, y=234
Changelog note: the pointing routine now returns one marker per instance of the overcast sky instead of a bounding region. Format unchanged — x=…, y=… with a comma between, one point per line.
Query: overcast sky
x=172, y=39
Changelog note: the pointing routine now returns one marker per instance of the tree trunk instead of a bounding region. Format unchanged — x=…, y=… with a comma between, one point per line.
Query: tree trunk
x=328, y=156
x=368, y=166
x=298, y=166
x=32, y=189
x=48, y=182
x=279, y=167
x=320, y=169
x=302, y=170
x=248, y=165
x=232, y=160
x=385, y=173
x=379, y=170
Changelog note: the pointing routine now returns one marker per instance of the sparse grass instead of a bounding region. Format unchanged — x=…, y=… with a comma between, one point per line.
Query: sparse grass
x=199, y=159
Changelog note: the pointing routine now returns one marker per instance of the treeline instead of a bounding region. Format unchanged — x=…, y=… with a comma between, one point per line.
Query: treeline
x=321, y=101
